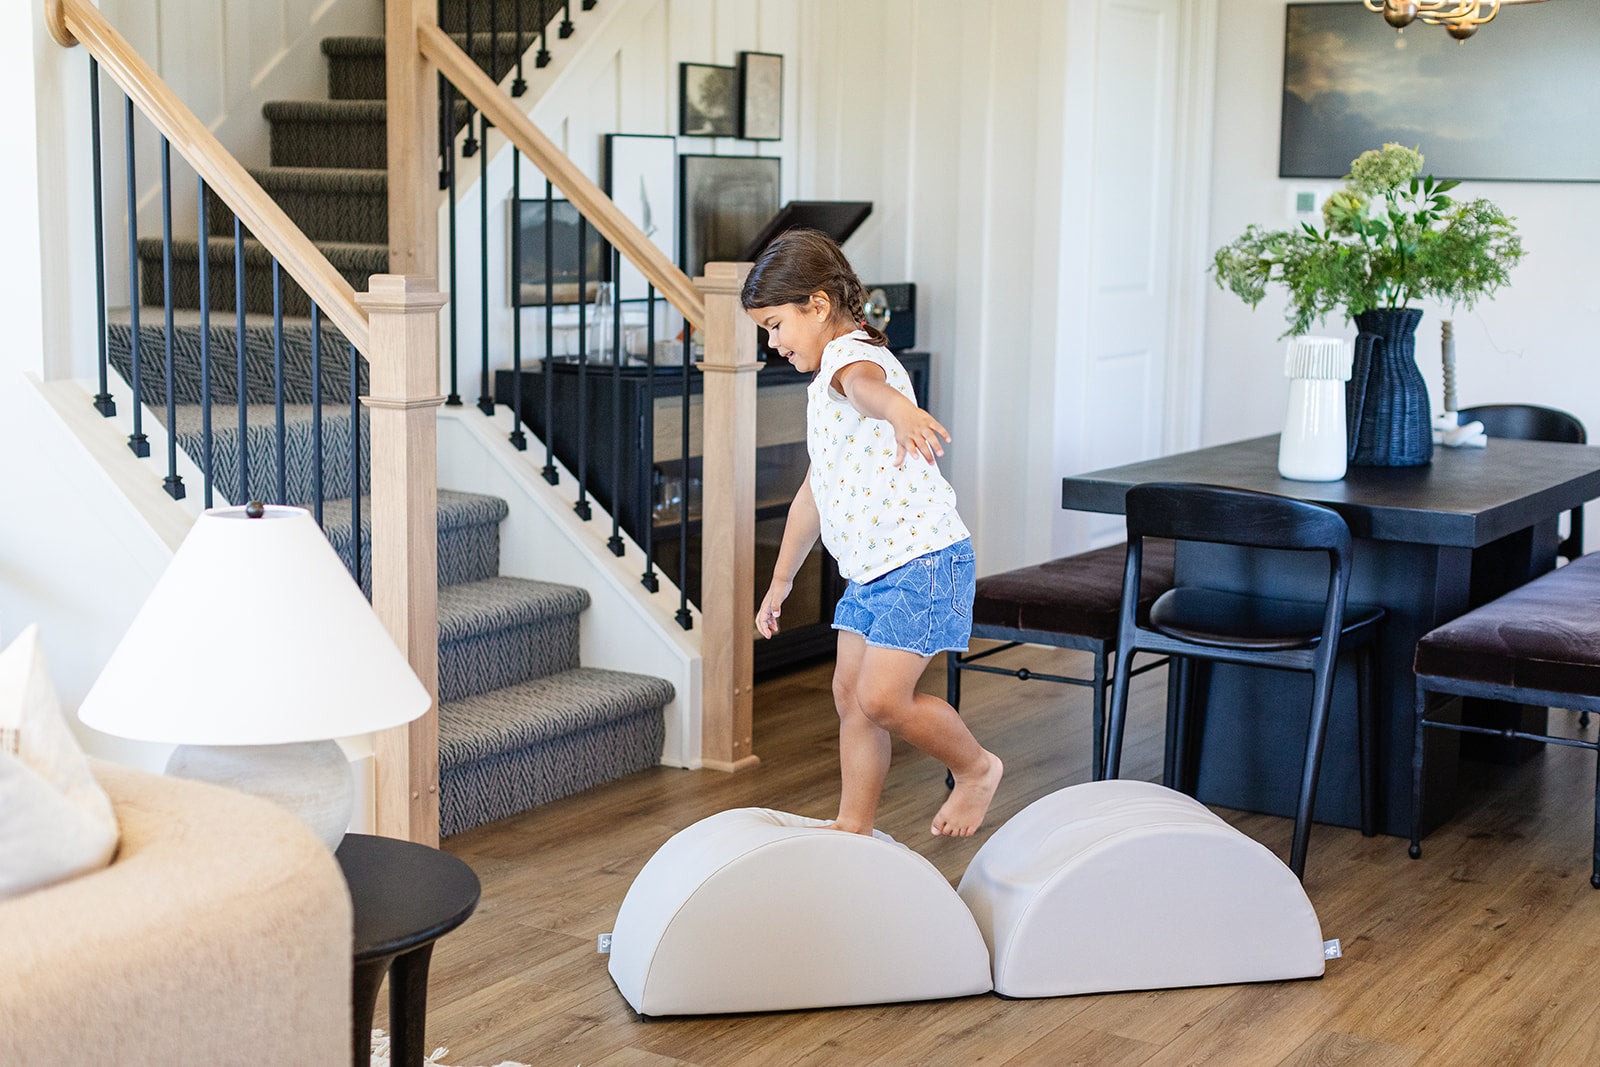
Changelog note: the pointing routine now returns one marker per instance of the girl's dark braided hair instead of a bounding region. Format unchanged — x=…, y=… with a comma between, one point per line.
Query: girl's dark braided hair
x=800, y=262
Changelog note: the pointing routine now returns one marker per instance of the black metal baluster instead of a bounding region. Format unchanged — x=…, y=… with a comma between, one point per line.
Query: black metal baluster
x=617, y=494
x=485, y=397
x=685, y=619
x=588, y=5
x=582, y=506
x=520, y=84
x=647, y=443
x=138, y=443
x=241, y=383
x=277, y=382
x=470, y=145
x=447, y=132
x=566, y=21
x=494, y=41
x=102, y=401
x=316, y=413
x=550, y=473
x=172, y=483
x=454, y=399
x=355, y=465
x=543, y=58
x=519, y=440
x=205, y=343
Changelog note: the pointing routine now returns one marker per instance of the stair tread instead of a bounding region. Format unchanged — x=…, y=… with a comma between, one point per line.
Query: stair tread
x=454, y=511
x=373, y=45
x=533, y=712
x=474, y=608
x=325, y=110
x=351, y=254
x=322, y=179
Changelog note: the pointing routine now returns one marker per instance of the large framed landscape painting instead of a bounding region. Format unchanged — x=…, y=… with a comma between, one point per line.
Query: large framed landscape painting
x=1519, y=101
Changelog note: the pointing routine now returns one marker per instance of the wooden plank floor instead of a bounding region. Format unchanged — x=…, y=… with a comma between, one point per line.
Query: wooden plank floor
x=1487, y=950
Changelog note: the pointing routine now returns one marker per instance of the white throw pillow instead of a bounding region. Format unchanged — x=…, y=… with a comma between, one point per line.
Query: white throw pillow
x=55, y=820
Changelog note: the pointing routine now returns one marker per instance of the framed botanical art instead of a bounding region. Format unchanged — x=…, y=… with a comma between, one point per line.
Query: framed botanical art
x=707, y=100
x=760, y=96
x=640, y=177
x=724, y=203
x=1518, y=102
x=540, y=268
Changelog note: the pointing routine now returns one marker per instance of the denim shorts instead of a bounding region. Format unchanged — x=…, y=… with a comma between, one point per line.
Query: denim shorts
x=922, y=606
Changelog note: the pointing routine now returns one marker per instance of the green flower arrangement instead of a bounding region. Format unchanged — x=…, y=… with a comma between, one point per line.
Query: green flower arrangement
x=1388, y=237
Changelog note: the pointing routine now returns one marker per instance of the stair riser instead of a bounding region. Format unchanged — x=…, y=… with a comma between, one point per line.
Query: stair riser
x=360, y=217
x=469, y=553
x=362, y=77
x=259, y=364
x=453, y=14
x=466, y=554
x=329, y=144
x=504, y=785
x=257, y=285
x=494, y=660
x=262, y=461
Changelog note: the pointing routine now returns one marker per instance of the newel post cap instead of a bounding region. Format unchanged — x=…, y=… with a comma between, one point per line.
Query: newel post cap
x=402, y=294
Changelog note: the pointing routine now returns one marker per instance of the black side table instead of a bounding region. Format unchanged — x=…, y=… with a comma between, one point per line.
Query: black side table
x=406, y=896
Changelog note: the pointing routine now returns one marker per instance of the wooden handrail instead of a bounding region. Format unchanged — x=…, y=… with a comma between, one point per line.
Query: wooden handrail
x=595, y=206
x=305, y=263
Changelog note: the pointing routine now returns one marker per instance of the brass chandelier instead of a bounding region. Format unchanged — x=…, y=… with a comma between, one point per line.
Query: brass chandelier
x=1460, y=18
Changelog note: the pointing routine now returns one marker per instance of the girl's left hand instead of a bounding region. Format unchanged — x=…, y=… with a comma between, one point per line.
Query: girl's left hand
x=919, y=432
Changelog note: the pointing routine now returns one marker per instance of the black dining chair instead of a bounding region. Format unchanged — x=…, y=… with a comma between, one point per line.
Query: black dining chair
x=1530, y=422
x=1071, y=602
x=1196, y=625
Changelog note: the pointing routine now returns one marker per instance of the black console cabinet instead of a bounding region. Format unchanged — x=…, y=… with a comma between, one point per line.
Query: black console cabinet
x=657, y=482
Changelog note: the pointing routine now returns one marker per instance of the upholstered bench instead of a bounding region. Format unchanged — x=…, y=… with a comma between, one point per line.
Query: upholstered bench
x=1071, y=602
x=1538, y=644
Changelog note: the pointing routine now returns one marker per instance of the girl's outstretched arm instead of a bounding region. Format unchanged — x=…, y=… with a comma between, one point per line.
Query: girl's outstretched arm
x=864, y=384
x=800, y=532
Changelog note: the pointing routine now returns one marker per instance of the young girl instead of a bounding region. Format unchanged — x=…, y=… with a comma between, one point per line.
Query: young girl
x=875, y=496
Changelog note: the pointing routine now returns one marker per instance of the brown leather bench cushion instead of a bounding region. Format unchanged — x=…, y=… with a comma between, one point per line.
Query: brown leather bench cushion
x=1078, y=594
x=1543, y=635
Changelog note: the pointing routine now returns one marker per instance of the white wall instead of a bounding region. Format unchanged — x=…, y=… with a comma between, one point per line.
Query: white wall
x=1534, y=342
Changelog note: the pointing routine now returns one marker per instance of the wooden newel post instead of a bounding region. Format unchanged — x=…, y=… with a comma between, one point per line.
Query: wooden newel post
x=728, y=527
x=403, y=316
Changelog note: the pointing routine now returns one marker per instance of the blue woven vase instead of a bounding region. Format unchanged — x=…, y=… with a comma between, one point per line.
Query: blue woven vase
x=1387, y=411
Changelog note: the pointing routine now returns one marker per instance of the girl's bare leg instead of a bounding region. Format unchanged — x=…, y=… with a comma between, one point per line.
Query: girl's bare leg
x=863, y=745
x=886, y=693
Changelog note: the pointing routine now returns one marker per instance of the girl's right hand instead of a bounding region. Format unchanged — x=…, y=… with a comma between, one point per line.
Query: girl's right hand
x=771, y=605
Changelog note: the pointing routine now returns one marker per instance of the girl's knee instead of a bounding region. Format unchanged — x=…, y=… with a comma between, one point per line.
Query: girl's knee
x=885, y=709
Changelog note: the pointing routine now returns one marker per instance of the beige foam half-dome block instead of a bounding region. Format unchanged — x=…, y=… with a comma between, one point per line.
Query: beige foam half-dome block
x=759, y=910
x=1121, y=885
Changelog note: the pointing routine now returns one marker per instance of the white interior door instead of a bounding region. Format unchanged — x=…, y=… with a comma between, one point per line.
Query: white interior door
x=1131, y=186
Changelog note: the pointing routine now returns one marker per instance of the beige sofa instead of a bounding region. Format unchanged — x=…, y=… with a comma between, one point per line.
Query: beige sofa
x=220, y=934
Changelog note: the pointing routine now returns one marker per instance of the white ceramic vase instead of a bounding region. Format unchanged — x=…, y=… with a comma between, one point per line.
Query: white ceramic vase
x=1313, y=445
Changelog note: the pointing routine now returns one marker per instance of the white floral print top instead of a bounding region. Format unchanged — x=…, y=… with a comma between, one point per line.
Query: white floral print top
x=875, y=516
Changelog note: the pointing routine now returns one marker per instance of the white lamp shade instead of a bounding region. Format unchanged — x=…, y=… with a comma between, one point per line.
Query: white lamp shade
x=255, y=635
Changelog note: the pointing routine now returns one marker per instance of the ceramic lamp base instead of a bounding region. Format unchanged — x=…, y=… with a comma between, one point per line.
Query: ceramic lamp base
x=311, y=779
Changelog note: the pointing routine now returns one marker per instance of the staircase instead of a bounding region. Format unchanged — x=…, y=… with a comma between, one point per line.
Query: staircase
x=521, y=722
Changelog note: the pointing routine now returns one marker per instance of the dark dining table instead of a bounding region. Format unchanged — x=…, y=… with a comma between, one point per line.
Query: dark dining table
x=1431, y=543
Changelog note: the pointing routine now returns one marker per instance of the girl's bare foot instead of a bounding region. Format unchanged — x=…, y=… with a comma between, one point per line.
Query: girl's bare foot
x=848, y=827
x=963, y=813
